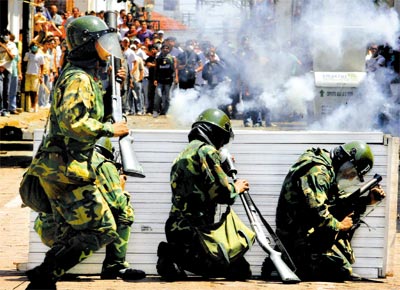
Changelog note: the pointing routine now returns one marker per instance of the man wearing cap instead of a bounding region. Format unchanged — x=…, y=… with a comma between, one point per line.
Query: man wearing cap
x=161, y=35
x=139, y=51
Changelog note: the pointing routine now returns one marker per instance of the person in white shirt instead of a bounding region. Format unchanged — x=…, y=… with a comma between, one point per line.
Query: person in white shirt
x=130, y=58
x=8, y=51
x=33, y=75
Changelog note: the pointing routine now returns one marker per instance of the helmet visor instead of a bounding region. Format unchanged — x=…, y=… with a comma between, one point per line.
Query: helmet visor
x=347, y=177
x=108, y=44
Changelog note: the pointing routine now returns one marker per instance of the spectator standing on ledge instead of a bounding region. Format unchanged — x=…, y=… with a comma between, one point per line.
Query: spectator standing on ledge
x=33, y=75
x=8, y=51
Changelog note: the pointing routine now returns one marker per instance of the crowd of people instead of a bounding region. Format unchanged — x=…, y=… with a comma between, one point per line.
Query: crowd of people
x=157, y=66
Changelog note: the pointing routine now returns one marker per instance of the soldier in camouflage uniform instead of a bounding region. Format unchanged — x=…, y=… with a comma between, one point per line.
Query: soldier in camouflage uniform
x=111, y=186
x=198, y=184
x=66, y=160
x=315, y=239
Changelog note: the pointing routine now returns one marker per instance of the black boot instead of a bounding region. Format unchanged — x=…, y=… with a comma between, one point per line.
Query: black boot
x=59, y=259
x=39, y=279
x=166, y=267
x=124, y=273
x=114, y=265
x=239, y=270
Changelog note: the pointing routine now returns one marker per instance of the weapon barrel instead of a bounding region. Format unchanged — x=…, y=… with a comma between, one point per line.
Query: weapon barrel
x=130, y=163
x=370, y=184
x=286, y=274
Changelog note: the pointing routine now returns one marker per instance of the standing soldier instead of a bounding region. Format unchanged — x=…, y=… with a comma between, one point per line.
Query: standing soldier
x=66, y=160
x=314, y=236
x=198, y=184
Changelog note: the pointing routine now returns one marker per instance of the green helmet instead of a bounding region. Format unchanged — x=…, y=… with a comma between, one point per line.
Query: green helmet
x=104, y=147
x=212, y=126
x=217, y=118
x=357, y=152
x=84, y=32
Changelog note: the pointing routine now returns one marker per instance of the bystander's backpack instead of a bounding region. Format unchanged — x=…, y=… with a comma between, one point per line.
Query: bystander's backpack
x=165, y=68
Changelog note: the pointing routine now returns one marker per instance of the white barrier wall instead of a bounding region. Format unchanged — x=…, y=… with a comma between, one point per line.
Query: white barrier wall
x=263, y=158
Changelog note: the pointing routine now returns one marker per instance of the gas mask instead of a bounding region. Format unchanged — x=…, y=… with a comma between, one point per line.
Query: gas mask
x=347, y=178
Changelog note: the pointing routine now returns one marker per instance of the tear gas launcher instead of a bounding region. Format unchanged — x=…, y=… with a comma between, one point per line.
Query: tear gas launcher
x=356, y=204
x=286, y=274
x=130, y=163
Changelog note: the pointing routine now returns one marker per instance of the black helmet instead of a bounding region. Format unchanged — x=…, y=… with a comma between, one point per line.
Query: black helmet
x=88, y=34
x=212, y=126
x=358, y=153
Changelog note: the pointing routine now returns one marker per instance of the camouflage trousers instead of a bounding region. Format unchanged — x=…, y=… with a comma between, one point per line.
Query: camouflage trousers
x=335, y=264
x=87, y=217
x=188, y=252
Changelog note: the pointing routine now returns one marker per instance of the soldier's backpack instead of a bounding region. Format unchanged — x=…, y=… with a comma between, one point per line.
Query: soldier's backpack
x=227, y=240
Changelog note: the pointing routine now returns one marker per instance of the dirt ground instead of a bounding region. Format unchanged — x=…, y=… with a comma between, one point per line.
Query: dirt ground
x=14, y=224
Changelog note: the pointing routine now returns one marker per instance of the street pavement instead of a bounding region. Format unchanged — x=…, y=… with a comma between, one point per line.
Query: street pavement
x=14, y=227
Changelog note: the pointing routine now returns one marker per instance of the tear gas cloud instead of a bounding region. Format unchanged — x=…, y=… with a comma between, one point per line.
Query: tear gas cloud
x=336, y=31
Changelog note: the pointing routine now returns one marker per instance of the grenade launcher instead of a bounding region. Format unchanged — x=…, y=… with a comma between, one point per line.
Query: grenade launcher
x=285, y=272
x=130, y=163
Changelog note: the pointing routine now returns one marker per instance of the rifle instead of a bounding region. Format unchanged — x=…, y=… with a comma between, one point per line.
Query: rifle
x=285, y=272
x=130, y=163
x=355, y=203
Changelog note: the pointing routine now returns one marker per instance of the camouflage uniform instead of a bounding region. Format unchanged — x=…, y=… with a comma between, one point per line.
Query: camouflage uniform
x=123, y=212
x=198, y=184
x=304, y=223
x=66, y=165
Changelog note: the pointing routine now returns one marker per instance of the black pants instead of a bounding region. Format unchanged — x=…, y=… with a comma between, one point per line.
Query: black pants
x=4, y=89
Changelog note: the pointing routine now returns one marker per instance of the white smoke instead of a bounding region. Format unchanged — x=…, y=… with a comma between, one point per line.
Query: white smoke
x=186, y=105
x=336, y=31
x=361, y=23
x=353, y=116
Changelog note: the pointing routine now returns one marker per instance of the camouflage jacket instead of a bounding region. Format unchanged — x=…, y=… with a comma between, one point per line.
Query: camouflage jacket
x=307, y=193
x=76, y=123
x=198, y=184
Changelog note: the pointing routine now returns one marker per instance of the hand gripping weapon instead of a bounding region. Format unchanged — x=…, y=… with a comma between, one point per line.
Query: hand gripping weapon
x=356, y=203
x=130, y=163
x=285, y=272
